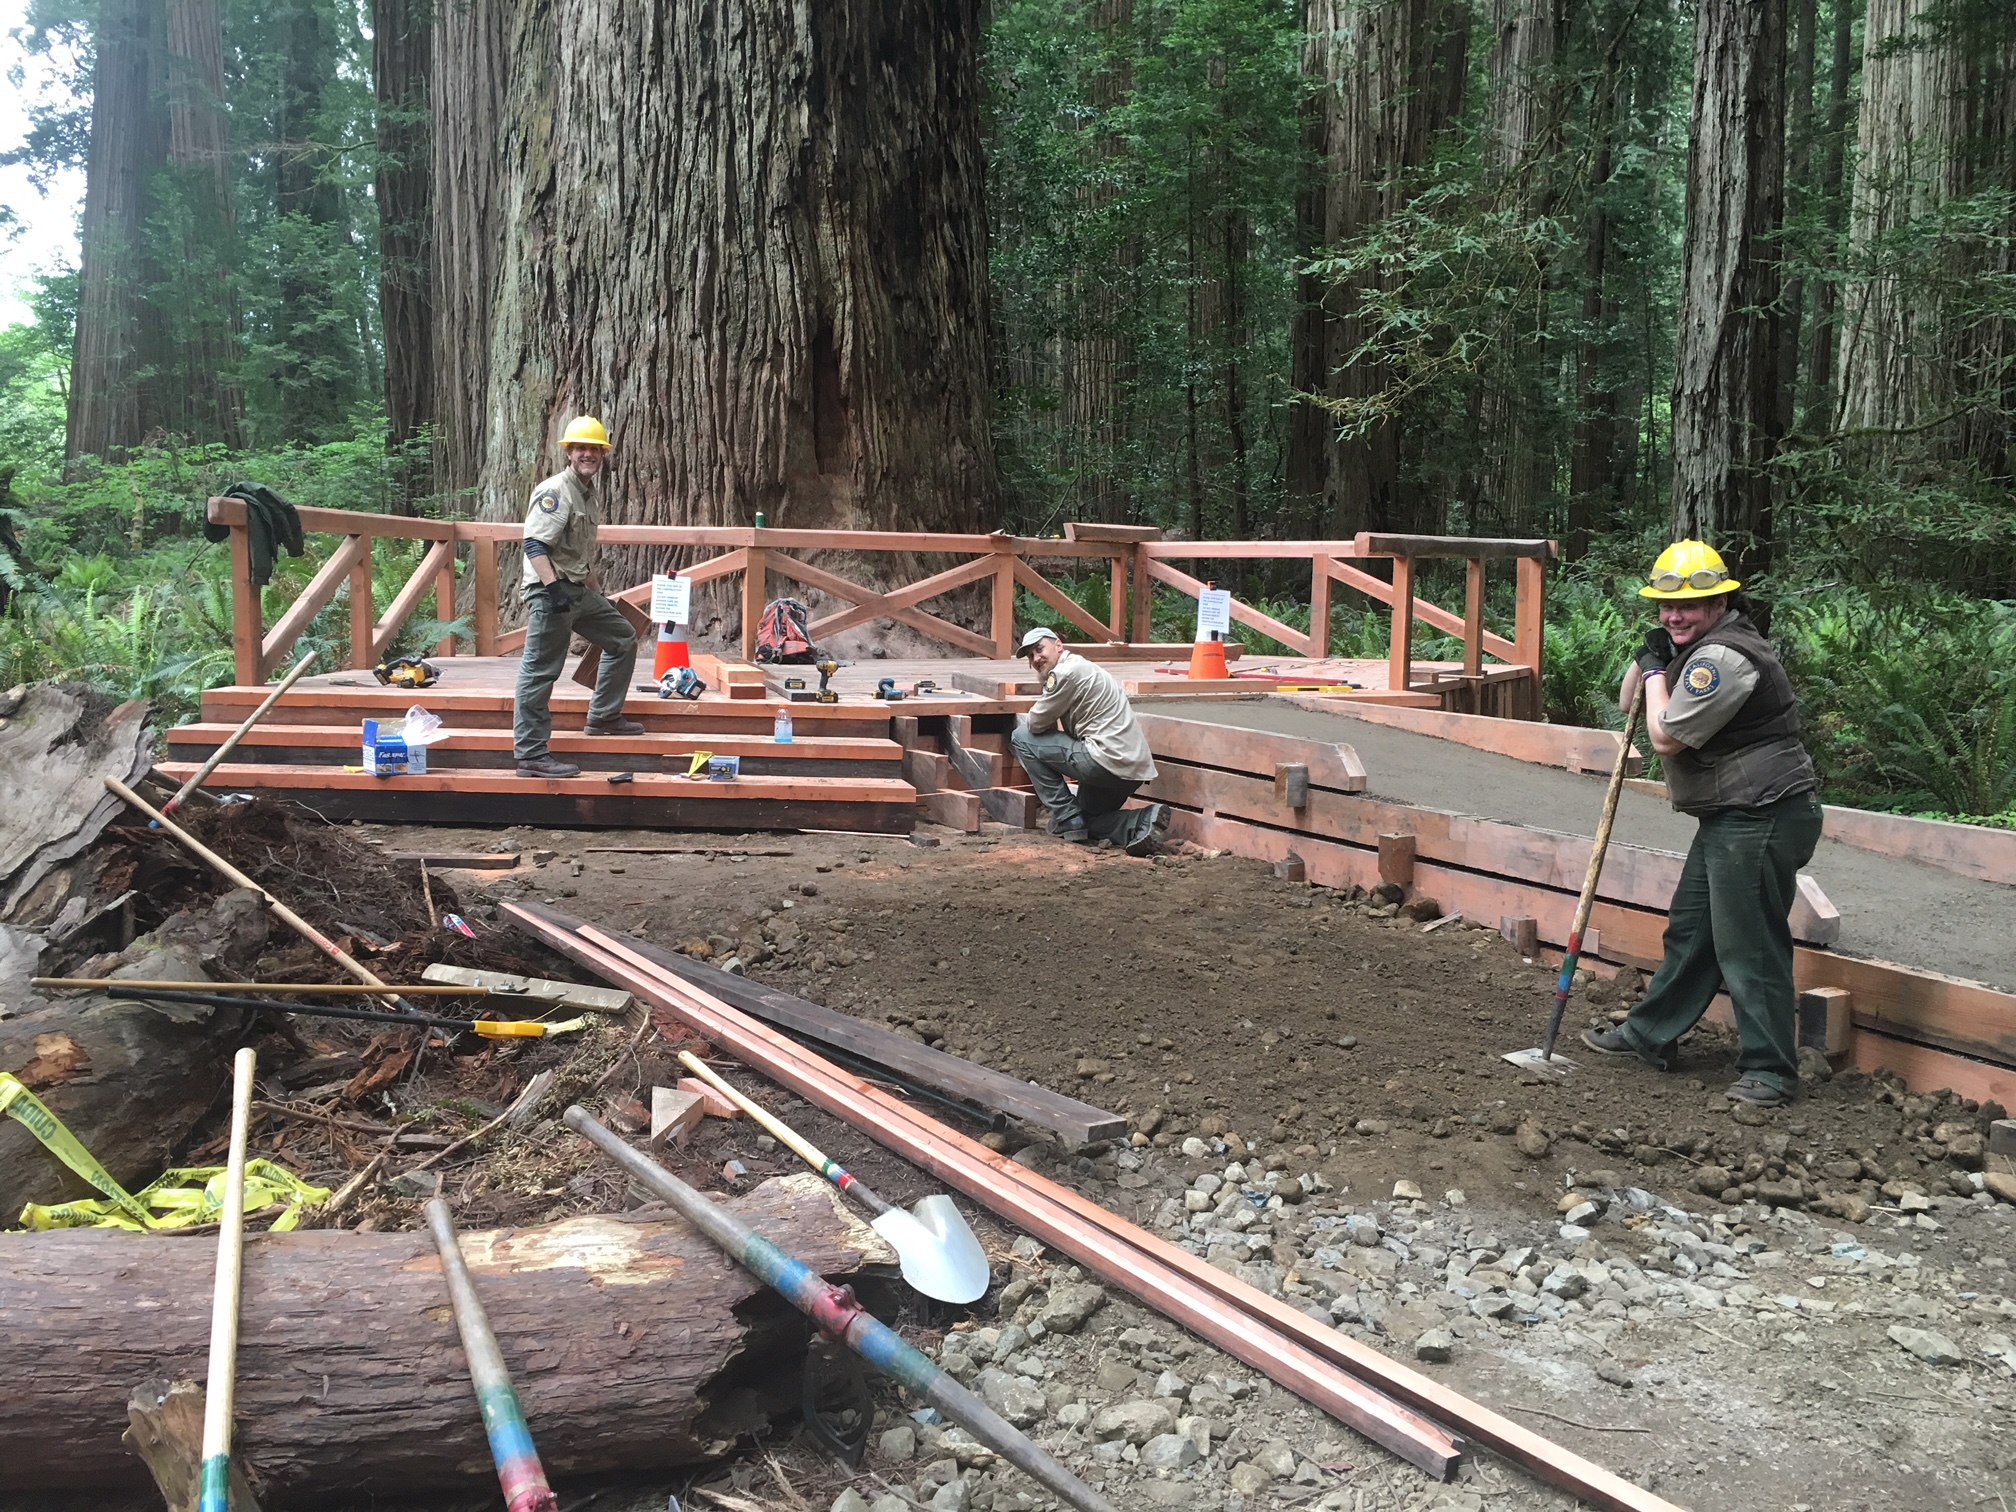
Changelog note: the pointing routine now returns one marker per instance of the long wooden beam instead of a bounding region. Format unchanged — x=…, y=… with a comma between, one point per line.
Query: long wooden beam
x=1425, y=612
x=1573, y=748
x=1475, y=548
x=1057, y=599
x=314, y=599
x=872, y=605
x=417, y=587
x=854, y=593
x=1146, y=1266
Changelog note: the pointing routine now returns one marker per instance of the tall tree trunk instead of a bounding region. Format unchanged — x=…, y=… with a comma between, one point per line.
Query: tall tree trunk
x=753, y=241
x=1894, y=375
x=1818, y=410
x=1725, y=410
x=1805, y=19
x=1386, y=77
x=1525, y=115
x=208, y=395
x=113, y=398
x=401, y=43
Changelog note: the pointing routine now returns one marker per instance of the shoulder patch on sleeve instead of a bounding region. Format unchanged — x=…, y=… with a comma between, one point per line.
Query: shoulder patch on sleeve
x=1050, y=683
x=1701, y=677
x=548, y=502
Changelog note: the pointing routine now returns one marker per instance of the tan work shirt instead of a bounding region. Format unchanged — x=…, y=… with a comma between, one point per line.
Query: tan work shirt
x=563, y=515
x=1082, y=699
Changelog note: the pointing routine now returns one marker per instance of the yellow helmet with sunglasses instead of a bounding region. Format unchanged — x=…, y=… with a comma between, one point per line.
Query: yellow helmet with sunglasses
x=1689, y=570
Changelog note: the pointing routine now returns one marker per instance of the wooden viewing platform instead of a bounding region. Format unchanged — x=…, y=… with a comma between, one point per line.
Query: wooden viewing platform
x=861, y=763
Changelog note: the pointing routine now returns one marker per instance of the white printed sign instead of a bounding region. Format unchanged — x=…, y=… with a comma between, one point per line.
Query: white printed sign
x=1214, y=612
x=671, y=599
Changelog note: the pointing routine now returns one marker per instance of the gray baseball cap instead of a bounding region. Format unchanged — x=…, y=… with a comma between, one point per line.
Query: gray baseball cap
x=1035, y=638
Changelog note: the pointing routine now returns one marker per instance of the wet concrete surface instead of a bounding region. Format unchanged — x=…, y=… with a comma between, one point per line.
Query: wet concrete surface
x=1892, y=909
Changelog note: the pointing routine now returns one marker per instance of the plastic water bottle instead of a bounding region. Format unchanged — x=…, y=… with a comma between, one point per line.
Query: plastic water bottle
x=782, y=732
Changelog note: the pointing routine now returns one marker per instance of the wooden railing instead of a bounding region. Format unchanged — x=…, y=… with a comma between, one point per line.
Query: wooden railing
x=1136, y=557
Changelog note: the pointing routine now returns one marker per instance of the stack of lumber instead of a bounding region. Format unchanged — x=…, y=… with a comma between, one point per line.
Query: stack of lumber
x=965, y=771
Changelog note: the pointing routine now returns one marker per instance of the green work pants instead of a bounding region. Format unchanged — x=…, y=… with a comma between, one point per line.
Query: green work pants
x=547, y=634
x=1100, y=800
x=1728, y=924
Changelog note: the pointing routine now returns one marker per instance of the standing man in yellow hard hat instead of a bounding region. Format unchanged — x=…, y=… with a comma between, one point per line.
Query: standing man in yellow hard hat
x=560, y=527
x=1719, y=711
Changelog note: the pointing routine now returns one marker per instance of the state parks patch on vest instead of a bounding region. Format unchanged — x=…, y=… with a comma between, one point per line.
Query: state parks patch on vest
x=1700, y=678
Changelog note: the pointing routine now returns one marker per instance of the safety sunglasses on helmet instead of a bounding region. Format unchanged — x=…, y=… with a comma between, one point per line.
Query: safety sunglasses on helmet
x=1700, y=577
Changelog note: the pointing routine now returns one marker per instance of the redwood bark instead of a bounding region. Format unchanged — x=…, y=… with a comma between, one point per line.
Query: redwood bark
x=751, y=239
x=401, y=44
x=1386, y=77
x=634, y=1345
x=118, y=332
x=209, y=399
x=1825, y=325
x=1725, y=410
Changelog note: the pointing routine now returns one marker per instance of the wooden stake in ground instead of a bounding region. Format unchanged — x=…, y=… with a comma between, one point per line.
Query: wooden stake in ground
x=231, y=741
x=216, y=1496
x=427, y=892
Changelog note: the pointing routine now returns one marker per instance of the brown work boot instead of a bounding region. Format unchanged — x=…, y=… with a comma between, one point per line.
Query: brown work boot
x=548, y=766
x=617, y=726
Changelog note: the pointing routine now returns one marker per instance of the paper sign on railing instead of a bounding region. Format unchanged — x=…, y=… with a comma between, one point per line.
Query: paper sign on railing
x=671, y=599
x=1214, y=613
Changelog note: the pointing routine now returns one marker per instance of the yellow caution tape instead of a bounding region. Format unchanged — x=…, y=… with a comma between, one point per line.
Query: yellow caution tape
x=177, y=1198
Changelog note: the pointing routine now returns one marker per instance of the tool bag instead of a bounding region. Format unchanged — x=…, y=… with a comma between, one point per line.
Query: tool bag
x=784, y=634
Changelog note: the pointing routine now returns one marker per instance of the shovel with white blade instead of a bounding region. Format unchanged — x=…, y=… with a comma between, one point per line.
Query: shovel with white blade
x=939, y=1254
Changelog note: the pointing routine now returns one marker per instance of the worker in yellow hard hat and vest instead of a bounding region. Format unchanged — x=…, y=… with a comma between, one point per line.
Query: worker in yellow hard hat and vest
x=560, y=527
x=1719, y=711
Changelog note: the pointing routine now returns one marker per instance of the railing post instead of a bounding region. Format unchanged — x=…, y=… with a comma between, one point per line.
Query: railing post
x=363, y=609
x=444, y=598
x=1144, y=591
x=755, y=584
x=1319, y=606
x=1529, y=624
x=1116, y=599
x=483, y=552
x=1002, y=629
x=1473, y=618
x=1400, y=649
x=248, y=628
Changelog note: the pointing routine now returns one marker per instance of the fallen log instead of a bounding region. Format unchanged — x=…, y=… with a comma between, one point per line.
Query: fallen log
x=56, y=747
x=635, y=1345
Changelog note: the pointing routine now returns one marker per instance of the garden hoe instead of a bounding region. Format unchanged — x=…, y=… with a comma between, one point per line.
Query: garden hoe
x=938, y=1252
x=1542, y=1057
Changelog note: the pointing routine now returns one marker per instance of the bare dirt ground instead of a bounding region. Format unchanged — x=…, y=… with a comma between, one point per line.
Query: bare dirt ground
x=1806, y=1308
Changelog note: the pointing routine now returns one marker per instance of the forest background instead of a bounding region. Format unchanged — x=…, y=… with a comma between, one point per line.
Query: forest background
x=1602, y=270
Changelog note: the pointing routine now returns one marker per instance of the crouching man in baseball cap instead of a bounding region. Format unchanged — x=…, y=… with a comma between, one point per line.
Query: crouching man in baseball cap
x=1082, y=728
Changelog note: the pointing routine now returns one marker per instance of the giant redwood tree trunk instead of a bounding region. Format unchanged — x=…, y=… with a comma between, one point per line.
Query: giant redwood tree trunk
x=401, y=39
x=118, y=331
x=204, y=401
x=752, y=239
x=1725, y=410
x=1386, y=76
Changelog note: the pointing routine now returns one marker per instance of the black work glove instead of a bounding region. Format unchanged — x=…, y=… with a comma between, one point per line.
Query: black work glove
x=560, y=597
x=1656, y=652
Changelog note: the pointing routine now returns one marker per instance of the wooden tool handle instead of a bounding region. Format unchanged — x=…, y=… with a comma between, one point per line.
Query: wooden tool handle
x=224, y=1299
x=803, y=1148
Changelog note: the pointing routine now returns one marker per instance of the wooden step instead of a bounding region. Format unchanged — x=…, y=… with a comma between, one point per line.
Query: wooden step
x=338, y=745
x=650, y=800
x=491, y=708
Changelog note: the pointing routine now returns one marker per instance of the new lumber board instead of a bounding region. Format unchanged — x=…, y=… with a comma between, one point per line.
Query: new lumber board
x=1971, y=850
x=1076, y=1122
x=1017, y=808
x=649, y=801
x=1173, y=1281
x=1569, y=747
x=1634, y=876
x=1331, y=765
x=953, y=809
x=537, y=989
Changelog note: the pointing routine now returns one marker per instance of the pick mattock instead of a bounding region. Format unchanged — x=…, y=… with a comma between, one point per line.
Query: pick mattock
x=938, y=1251
x=1542, y=1057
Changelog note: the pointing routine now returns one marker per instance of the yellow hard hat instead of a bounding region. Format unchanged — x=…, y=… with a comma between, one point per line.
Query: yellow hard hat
x=1689, y=570
x=585, y=430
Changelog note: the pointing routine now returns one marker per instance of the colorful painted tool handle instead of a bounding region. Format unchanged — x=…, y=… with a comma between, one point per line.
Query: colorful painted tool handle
x=810, y=1153
x=1573, y=955
x=518, y=1469
x=836, y=1312
x=217, y=1391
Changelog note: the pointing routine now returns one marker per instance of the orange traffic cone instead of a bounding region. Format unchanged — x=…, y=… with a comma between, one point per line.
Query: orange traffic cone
x=1207, y=658
x=672, y=650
